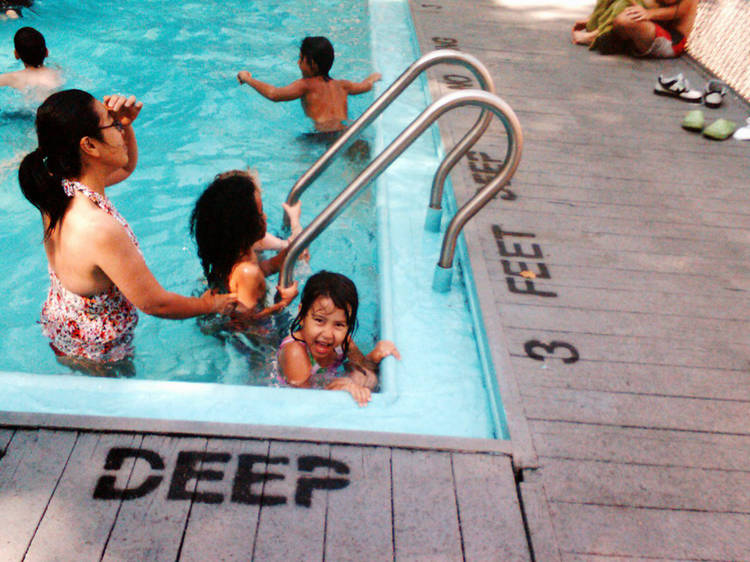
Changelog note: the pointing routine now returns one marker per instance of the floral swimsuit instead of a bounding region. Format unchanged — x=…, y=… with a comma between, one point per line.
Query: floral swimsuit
x=99, y=327
x=320, y=377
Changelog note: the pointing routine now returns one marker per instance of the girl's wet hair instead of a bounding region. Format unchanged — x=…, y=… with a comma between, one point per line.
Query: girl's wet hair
x=340, y=289
x=225, y=223
x=320, y=51
x=61, y=122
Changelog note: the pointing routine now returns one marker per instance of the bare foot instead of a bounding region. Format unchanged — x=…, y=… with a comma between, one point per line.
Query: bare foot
x=583, y=37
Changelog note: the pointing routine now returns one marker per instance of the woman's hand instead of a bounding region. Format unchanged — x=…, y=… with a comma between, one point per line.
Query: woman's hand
x=636, y=12
x=220, y=303
x=383, y=349
x=124, y=109
x=243, y=76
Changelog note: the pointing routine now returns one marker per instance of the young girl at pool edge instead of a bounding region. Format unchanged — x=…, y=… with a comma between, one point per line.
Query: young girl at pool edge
x=320, y=341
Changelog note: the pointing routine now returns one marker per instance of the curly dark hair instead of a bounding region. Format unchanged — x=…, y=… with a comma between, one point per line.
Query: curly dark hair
x=225, y=223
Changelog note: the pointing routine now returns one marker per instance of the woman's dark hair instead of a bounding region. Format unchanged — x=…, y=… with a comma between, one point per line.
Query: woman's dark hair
x=340, y=289
x=61, y=122
x=225, y=223
x=30, y=46
x=320, y=51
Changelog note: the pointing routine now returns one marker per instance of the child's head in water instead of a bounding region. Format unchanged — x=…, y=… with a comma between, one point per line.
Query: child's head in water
x=327, y=313
x=30, y=46
x=316, y=57
x=227, y=220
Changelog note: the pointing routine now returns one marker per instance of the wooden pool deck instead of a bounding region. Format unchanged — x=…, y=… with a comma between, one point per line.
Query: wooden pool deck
x=625, y=360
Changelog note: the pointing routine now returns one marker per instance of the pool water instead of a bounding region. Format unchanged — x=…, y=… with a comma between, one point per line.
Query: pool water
x=197, y=121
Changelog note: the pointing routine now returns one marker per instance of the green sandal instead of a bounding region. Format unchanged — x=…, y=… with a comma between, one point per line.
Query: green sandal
x=720, y=129
x=694, y=121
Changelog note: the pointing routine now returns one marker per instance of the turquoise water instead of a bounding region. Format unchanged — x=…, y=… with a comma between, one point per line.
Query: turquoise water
x=196, y=122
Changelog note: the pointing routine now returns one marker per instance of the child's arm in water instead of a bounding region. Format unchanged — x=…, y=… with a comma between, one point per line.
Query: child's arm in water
x=290, y=92
x=355, y=88
x=248, y=281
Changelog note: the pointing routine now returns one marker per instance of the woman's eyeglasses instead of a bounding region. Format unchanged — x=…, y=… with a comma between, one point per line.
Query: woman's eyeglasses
x=116, y=124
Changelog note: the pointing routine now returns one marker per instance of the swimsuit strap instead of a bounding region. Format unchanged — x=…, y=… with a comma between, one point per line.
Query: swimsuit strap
x=102, y=202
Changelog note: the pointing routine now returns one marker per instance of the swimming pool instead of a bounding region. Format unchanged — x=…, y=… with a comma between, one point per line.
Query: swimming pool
x=203, y=123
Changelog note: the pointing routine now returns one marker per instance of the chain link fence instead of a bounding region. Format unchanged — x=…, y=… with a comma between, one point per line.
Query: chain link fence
x=720, y=41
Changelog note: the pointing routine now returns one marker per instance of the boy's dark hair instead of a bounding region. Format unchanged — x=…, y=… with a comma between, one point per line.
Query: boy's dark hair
x=320, y=51
x=340, y=289
x=61, y=122
x=225, y=223
x=30, y=46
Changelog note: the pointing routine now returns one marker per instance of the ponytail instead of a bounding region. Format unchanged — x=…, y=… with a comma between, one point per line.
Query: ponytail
x=61, y=122
x=43, y=189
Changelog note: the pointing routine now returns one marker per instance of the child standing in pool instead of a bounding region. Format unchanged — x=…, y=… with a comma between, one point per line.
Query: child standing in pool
x=320, y=341
x=324, y=99
x=229, y=225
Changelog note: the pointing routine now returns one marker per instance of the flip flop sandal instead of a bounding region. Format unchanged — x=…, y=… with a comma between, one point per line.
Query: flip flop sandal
x=719, y=129
x=743, y=133
x=714, y=93
x=677, y=87
x=694, y=121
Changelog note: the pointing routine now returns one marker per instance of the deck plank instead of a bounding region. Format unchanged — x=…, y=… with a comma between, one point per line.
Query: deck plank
x=677, y=488
x=151, y=527
x=621, y=532
x=488, y=507
x=359, y=523
x=76, y=526
x=425, y=515
x=226, y=530
x=29, y=472
x=289, y=519
x=649, y=447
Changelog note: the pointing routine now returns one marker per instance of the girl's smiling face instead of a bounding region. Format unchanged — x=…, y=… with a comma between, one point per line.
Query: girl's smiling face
x=323, y=328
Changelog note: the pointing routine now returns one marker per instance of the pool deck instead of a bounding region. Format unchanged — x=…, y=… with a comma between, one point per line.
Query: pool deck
x=625, y=360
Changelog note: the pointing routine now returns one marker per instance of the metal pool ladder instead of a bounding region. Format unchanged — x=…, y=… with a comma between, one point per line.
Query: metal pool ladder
x=485, y=99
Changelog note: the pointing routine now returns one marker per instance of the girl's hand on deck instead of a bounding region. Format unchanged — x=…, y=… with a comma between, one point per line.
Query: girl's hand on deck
x=124, y=109
x=383, y=349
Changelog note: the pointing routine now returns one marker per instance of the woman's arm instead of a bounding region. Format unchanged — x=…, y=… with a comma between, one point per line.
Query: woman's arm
x=125, y=110
x=293, y=91
x=123, y=264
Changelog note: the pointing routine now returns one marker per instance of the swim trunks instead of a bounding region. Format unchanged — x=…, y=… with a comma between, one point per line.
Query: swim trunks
x=99, y=327
x=668, y=43
x=320, y=377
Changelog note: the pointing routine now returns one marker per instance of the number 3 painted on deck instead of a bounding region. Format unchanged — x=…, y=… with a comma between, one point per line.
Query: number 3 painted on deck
x=550, y=348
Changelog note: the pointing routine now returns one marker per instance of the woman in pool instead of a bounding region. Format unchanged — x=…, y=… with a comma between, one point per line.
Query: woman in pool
x=321, y=341
x=98, y=277
x=229, y=225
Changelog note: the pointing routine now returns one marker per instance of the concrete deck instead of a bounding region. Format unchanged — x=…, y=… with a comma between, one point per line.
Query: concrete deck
x=625, y=361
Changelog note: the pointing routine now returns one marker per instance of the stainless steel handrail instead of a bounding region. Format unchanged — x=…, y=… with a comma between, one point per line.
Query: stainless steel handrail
x=467, y=97
x=379, y=105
